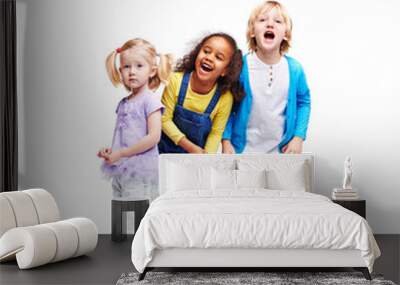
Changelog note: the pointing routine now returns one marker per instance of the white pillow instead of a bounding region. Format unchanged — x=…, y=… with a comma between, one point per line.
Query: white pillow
x=182, y=177
x=281, y=173
x=226, y=179
x=251, y=178
x=293, y=178
x=223, y=179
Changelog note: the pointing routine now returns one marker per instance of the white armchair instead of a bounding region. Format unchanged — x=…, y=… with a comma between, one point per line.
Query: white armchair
x=31, y=230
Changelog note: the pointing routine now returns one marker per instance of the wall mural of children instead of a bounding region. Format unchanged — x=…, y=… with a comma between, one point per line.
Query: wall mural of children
x=132, y=160
x=273, y=116
x=199, y=96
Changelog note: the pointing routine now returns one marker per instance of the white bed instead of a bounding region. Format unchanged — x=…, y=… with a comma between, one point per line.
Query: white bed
x=220, y=211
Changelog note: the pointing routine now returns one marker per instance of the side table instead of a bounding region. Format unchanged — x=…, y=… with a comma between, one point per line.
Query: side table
x=118, y=216
x=357, y=206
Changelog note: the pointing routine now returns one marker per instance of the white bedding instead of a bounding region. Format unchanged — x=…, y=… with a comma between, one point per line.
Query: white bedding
x=251, y=218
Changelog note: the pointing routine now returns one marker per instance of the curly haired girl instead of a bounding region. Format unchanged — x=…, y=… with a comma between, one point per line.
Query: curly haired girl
x=199, y=96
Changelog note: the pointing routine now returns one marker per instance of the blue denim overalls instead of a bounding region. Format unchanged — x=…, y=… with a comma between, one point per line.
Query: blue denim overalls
x=196, y=126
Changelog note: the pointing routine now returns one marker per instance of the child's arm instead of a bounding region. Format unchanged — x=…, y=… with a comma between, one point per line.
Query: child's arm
x=303, y=107
x=219, y=122
x=169, y=100
x=190, y=147
x=295, y=145
x=148, y=141
x=227, y=146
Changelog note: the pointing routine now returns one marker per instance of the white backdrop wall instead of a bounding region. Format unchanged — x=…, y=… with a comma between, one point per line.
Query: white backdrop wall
x=349, y=50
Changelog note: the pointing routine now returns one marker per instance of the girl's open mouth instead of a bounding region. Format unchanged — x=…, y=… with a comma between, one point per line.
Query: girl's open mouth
x=206, y=67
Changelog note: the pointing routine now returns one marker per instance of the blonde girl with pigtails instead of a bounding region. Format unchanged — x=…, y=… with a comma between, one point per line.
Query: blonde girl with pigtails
x=132, y=160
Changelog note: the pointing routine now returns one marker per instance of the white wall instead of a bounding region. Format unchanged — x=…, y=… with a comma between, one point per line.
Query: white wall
x=66, y=104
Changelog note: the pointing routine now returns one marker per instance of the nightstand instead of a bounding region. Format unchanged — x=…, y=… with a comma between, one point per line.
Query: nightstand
x=357, y=206
x=118, y=216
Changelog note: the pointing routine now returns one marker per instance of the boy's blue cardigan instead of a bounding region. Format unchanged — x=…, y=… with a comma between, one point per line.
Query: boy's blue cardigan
x=297, y=110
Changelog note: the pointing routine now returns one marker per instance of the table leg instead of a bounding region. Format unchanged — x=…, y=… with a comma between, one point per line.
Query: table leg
x=118, y=221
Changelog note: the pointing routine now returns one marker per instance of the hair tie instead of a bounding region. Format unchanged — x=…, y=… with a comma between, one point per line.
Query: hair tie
x=118, y=50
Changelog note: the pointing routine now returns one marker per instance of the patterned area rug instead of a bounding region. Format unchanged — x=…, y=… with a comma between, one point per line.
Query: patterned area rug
x=243, y=278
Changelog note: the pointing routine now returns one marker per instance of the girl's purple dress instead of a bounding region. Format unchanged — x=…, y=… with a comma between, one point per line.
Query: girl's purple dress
x=135, y=177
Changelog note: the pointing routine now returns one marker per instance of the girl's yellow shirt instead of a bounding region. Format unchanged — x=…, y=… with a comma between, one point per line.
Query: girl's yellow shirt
x=198, y=103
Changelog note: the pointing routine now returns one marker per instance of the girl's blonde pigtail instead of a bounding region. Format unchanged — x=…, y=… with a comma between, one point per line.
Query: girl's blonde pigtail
x=112, y=70
x=164, y=68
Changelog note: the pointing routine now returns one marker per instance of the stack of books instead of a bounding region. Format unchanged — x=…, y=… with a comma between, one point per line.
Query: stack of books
x=344, y=194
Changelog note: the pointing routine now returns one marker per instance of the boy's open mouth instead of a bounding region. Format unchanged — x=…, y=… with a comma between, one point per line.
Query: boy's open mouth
x=206, y=67
x=269, y=35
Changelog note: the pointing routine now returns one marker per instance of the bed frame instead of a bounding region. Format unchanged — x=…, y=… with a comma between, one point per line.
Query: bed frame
x=246, y=259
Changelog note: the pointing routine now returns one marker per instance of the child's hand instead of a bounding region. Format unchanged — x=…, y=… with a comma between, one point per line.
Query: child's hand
x=113, y=157
x=227, y=147
x=103, y=152
x=190, y=147
x=197, y=149
x=295, y=146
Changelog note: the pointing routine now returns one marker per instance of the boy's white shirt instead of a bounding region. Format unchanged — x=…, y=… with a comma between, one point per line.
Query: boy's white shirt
x=267, y=117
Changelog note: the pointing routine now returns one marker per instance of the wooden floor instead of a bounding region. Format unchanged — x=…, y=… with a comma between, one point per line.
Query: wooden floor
x=111, y=259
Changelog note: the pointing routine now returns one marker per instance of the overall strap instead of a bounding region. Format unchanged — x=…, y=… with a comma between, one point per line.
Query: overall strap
x=213, y=102
x=183, y=88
